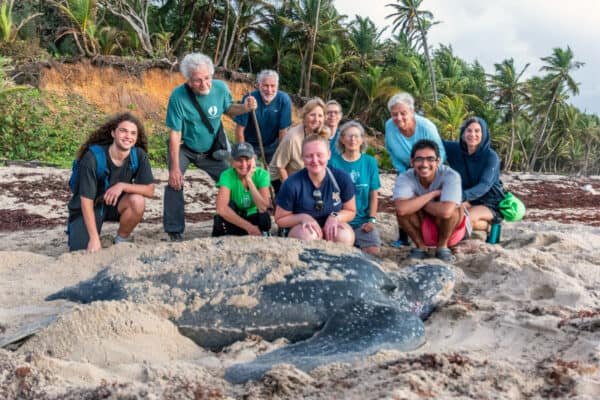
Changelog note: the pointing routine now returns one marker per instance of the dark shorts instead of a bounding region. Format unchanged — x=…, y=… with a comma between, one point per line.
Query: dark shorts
x=221, y=227
x=494, y=209
x=366, y=239
x=78, y=237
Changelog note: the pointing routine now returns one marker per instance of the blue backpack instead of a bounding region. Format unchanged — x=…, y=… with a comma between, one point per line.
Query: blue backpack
x=102, y=171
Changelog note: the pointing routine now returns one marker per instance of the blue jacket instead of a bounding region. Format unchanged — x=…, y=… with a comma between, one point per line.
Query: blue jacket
x=480, y=171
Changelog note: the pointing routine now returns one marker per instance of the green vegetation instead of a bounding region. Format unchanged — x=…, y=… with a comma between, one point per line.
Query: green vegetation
x=43, y=127
x=317, y=52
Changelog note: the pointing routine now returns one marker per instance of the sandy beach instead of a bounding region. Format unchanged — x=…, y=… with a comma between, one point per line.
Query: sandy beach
x=523, y=322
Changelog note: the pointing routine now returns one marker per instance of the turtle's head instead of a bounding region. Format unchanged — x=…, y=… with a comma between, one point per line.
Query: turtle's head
x=422, y=288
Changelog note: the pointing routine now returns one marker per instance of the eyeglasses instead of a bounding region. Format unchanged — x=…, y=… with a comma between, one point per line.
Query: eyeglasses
x=355, y=137
x=429, y=159
x=318, y=199
x=333, y=112
x=201, y=81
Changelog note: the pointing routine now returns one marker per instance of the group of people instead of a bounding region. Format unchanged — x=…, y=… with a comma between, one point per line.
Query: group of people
x=326, y=186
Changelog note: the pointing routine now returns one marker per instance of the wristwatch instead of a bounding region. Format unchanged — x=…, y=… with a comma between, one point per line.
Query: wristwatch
x=372, y=220
x=334, y=214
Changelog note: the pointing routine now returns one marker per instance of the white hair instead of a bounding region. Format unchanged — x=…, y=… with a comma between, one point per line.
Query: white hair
x=267, y=73
x=193, y=61
x=341, y=148
x=401, y=98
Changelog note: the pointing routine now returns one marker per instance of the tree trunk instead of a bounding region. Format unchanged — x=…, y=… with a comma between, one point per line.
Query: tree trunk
x=509, y=160
x=234, y=38
x=222, y=38
x=540, y=140
x=313, y=44
x=186, y=29
x=429, y=63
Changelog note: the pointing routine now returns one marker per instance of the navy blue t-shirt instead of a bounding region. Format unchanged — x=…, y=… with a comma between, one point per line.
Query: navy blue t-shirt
x=272, y=118
x=297, y=194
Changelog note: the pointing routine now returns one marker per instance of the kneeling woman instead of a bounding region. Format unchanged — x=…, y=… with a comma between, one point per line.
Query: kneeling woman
x=317, y=202
x=479, y=168
x=243, y=197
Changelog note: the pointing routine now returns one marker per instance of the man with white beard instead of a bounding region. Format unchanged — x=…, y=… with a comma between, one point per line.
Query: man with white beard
x=273, y=114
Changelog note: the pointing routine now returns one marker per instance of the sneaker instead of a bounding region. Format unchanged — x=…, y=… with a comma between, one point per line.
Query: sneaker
x=399, y=243
x=175, y=237
x=120, y=239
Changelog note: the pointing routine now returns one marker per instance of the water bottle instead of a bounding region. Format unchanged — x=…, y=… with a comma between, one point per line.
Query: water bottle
x=494, y=235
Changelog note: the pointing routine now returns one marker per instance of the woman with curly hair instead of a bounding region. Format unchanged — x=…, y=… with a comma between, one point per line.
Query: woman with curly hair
x=111, y=177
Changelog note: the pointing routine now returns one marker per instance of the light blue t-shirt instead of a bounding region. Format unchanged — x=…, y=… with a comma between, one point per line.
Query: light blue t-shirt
x=407, y=185
x=183, y=117
x=399, y=146
x=365, y=176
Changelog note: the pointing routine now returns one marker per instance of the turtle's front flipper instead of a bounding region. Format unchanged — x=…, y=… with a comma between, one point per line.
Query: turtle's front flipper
x=355, y=331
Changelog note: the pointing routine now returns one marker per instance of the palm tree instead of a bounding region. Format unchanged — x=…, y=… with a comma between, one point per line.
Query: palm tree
x=364, y=40
x=310, y=19
x=135, y=14
x=8, y=29
x=449, y=115
x=560, y=82
x=412, y=76
x=332, y=63
x=375, y=88
x=408, y=18
x=82, y=14
x=275, y=37
x=589, y=132
x=508, y=90
x=245, y=18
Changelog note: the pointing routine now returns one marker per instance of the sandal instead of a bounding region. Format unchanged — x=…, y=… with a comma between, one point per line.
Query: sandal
x=445, y=254
x=418, y=254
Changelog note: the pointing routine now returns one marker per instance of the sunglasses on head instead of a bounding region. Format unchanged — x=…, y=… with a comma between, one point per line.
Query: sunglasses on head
x=318, y=199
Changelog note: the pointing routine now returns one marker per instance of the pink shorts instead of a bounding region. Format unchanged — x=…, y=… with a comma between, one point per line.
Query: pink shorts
x=429, y=231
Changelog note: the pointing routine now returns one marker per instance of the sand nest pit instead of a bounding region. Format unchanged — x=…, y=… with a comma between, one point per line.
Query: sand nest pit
x=109, y=333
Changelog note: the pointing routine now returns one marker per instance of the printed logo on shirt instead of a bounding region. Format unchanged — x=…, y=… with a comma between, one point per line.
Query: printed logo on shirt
x=246, y=200
x=212, y=111
x=355, y=175
x=335, y=196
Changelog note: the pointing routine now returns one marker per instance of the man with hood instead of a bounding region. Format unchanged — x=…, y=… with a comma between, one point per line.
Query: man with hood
x=479, y=168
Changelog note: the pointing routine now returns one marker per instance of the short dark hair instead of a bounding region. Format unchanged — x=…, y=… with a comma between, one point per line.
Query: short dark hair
x=425, y=144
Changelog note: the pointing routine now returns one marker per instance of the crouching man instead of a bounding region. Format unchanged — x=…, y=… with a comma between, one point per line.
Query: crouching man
x=110, y=179
x=428, y=199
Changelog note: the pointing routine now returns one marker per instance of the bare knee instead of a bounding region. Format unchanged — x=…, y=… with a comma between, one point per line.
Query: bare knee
x=301, y=232
x=345, y=235
x=134, y=204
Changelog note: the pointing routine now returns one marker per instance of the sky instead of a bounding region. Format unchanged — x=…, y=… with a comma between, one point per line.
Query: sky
x=525, y=30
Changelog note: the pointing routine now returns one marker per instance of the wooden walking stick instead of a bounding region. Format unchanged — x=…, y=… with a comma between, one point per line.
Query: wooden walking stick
x=262, y=154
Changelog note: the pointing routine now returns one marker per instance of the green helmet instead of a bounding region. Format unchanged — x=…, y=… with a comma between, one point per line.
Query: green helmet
x=512, y=208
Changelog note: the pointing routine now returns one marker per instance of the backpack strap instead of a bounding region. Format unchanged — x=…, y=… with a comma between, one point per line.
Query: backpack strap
x=196, y=105
x=102, y=172
x=335, y=184
x=133, y=160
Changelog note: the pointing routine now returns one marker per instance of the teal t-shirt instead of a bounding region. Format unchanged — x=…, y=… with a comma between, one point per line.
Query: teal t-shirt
x=241, y=196
x=365, y=176
x=183, y=117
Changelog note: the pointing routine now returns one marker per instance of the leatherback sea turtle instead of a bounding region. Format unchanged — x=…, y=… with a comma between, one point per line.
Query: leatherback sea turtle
x=331, y=307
